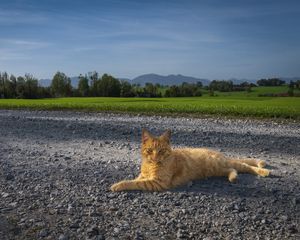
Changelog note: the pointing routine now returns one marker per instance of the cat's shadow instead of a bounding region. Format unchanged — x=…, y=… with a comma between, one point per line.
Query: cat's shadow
x=247, y=186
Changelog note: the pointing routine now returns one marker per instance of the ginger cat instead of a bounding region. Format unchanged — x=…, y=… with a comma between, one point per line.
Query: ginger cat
x=164, y=168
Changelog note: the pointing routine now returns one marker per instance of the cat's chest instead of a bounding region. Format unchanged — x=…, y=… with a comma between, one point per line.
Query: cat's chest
x=151, y=170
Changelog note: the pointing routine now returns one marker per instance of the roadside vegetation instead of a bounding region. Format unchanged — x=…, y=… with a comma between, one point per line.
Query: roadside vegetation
x=93, y=85
x=270, y=98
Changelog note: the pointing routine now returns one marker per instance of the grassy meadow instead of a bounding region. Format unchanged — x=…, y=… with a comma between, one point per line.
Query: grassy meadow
x=240, y=104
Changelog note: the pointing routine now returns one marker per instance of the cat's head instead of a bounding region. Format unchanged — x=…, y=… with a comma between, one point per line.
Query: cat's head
x=156, y=149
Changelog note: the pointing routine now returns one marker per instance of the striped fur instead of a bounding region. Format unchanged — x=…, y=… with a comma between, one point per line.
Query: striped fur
x=164, y=168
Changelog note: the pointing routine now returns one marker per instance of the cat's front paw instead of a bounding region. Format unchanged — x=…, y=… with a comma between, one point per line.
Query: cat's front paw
x=120, y=186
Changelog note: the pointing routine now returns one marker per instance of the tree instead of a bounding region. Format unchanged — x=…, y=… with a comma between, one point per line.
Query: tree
x=61, y=85
x=126, y=89
x=3, y=79
x=184, y=90
x=44, y=92
x=297, y=84
x=173, y=91
x=187, y=89
x=94, y=83
x=13, y=85
x=20, y=90
x=222, y=86
x=109, y=86
x=150, y=90
x=199, y=84
x=291, y=88
x=31, y=86
x=270, y=82
x=83, y=86
x=8, y=86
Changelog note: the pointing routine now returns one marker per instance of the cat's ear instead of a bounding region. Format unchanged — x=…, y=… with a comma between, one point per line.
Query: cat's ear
x=145, y=135
x=166, y=135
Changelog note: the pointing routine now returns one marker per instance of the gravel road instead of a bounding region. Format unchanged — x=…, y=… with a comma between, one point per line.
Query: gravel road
x=56, y=169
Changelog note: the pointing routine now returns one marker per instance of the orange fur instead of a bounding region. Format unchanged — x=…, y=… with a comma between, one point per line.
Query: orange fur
x=164, y=168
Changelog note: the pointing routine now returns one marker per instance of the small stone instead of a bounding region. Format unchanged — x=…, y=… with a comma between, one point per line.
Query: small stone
x=62, y=237
x=113, y=208
x=13, y=204
x=292, y=229
x=99, y=237
x=74, y=225
x=94, y=213
x=5, y=195
x=138, y=236
x=284, y=217
x=43, y=233
x=180, y=234
x=9, y=177
x=93, y=231
x=52, y=211
x=236, y=207
x=296, y=201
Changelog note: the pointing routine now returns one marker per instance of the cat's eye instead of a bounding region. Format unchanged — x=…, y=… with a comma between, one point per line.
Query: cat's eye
x=161, y=150
x=149, y=150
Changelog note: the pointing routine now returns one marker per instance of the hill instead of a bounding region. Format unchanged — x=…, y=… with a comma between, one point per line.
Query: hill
x=167, y=80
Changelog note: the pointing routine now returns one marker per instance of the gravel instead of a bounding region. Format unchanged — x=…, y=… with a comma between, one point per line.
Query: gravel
x=56, y=169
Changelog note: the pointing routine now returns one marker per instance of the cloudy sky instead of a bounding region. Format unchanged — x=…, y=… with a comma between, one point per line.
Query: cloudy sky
x=212, y=39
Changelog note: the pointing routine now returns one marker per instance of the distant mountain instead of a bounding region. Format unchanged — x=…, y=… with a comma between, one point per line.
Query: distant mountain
x=47, y=82
x=288, y=79
x=167, y=80
x=74, y=81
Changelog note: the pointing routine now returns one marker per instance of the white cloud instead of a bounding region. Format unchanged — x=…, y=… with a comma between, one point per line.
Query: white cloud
x=19, y=49
x=10, y=54
x=23, y=43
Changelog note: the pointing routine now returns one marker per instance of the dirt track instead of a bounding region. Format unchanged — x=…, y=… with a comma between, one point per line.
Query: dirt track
x=56, y=169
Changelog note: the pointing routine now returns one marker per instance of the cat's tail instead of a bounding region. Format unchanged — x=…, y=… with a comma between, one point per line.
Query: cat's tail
x=248, y=166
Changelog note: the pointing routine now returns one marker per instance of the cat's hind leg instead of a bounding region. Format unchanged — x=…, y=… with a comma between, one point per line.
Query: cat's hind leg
x=252, y=162
x=245, y=168
x=232, y=175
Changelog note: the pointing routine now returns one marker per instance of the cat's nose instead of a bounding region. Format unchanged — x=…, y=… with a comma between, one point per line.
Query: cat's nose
x=155, y=158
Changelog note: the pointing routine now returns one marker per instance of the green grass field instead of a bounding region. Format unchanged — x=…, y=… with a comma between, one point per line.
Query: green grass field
x=255, y=91
x=234, y=104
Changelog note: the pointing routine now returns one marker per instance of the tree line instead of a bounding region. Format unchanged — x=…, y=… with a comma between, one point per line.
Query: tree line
x=93, y=85
x=270, y=82
x=89, y=85
x=21, y=87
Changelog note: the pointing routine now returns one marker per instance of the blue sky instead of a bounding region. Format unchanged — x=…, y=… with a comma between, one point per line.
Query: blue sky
x=212, y=39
